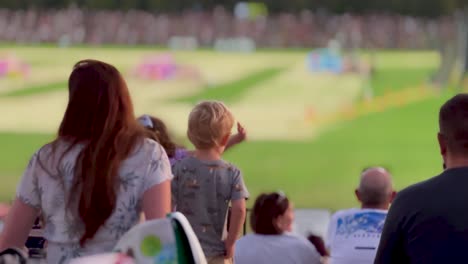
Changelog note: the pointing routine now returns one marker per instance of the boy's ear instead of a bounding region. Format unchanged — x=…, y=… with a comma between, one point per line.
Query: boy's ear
x=225, y=140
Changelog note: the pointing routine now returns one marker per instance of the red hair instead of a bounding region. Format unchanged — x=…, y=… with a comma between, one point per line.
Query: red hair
x=100, y=117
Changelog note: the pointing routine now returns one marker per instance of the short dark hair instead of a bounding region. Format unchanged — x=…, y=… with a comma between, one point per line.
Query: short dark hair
x=267, y=208
x=453, y=124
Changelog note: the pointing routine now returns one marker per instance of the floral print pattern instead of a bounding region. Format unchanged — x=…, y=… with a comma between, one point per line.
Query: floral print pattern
x=47, y=185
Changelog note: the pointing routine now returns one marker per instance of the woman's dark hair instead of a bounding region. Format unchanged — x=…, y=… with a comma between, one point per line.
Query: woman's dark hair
x=100, y=117
x=267, y=208
x=159, y=132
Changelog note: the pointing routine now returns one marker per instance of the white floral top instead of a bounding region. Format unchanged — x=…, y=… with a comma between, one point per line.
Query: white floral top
x=47, y=184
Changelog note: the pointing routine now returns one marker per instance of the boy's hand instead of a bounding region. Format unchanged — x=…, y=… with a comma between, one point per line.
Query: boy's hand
x=241, y=134
x=237, y=138
x=229, y=249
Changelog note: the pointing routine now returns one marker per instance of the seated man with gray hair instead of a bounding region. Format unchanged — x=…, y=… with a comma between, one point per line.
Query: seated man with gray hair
x=354, y=234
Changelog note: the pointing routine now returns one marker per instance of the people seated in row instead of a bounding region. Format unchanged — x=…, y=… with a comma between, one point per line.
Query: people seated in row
x=92, y=182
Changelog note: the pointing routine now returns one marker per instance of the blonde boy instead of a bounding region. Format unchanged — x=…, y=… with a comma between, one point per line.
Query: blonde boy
x=204, y=184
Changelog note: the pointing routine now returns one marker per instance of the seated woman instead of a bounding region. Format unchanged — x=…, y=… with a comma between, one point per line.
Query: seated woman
x=91, y=183
x=271, y=220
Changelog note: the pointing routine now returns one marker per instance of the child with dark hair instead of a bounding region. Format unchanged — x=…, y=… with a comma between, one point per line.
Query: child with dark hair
x=271, y=220
x=158, y=131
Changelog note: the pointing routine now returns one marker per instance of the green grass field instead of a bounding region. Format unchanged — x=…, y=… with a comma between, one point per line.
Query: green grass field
x=316, y=163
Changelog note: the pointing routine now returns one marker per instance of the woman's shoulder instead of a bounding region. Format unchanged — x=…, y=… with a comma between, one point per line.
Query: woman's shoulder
x=247, y=240
x=149, y=147
x=52, y=152
x=291, y=239
x=153, y=152
x=297, y=240
x=50, y=148
x=150, y=143
x=304, y=248
x=58, y=147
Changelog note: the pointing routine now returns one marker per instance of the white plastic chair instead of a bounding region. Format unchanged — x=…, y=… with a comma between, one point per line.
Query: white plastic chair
x=169, y=240
x=109, y=258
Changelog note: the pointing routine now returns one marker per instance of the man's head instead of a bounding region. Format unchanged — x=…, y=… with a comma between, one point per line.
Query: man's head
x=210, y=124
x=375, y=188
x=453, y=131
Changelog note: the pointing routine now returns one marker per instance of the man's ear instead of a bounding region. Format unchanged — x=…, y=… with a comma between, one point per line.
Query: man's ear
x=442, y=144
x=358, y=196
x=392, y=196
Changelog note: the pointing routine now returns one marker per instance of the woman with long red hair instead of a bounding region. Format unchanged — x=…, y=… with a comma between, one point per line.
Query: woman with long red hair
x=92, y=182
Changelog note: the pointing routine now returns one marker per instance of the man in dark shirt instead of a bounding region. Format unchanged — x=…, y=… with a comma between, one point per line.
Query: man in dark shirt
x=428, y=222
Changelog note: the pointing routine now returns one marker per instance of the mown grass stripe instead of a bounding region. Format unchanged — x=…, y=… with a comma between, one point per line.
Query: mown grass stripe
x=389, y=80
x=34, y=90
x=232, y=91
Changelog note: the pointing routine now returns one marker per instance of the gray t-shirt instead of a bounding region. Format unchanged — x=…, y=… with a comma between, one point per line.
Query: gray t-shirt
x=202, y=190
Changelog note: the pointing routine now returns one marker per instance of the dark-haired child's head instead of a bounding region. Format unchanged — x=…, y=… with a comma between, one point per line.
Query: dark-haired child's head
x=157, y=131
x=272, y=214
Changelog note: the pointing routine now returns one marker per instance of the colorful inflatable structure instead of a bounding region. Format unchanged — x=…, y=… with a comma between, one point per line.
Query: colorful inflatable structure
x=164, y=67
x=161, y=67
x=325, y=60
x=10, y=66
x=332, y=59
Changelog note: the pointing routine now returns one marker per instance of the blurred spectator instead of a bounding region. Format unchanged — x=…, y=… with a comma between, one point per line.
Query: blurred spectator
x=428, y=222
x=353, y=234
x=271, y=220
x=306, y=29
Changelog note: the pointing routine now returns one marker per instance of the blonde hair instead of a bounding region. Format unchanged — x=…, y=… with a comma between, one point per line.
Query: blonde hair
x=208, y=123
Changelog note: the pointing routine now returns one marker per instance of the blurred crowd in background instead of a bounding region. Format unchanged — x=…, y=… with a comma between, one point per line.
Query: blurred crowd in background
x=282, y=30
